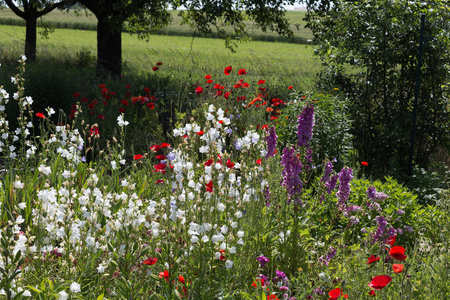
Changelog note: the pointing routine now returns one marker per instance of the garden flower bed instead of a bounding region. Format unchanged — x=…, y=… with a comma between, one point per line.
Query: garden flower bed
x=217, y=212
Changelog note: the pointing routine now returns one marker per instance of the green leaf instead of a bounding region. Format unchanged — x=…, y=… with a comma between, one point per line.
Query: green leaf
x=100, y=297
x=36, y=290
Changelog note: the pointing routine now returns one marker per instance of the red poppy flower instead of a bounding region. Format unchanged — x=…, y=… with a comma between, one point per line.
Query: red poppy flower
x=242, y=72
x=364, y=163
x=379, y=282
x=155, y=148
x=150, y=261
x=137, y=157
x=230, y=164
x=210, y=186
x=255, y=283
x=372, y=260
x=227, y=70
x=159, y=63
x=165, y=145
x=40, y=115
x=336, y=293
x=147, y=90
x=124, y=102
x=164, y=275
x=160, y=168
x=94, y=131
x=398, y=252
x=102, y=86
x=261, y=81
x=209, y=81
x=76, y=95
x=200, y=133
x=290, y=87
x=155, y=69
x=372, y=293
x=159, y=181
x=160, y=157
x=199, y=90
x=258, y=161
x=209, y=162
x=128, y=86
x=105, y=103
x=151, y=105
x=391, y=240
x=181, y=279
x=272, y=297
x=85, y=100
x=208, y=77
x=398, y=268
x=101, y=117
x=122, y=110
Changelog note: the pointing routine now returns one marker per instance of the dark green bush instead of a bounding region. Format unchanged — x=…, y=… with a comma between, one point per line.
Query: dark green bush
x=370, y=50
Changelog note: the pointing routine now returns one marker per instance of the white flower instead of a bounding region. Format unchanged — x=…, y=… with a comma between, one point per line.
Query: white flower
x=18, y=184
x=229, y=264
x=50, y=111
x=121, y=121
x=221, y=206
x=13, y=80
x=240, y=233
x=63, y=295
x=204, y=149
x=26, y=293
x=233, y=250
x=22, y=205
x=20, y=220
x=24, y=58
x=45, y=170
x=113, y=165
x=194, y=239
x=28, y=100
x=75, y=287
x=101, y=268
x=224, y=229
x=234, y=224
x=124, y=182
x=205, y=239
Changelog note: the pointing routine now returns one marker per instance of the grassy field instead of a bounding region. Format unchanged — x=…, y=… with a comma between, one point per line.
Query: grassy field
x=87, y=21
x=72, y=54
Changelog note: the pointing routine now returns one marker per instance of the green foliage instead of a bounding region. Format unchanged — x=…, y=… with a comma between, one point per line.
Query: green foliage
x=331, y=138
x=370, y=50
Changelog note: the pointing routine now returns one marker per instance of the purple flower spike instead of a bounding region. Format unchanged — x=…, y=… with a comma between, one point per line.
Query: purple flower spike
x=305, y=125
x=291, y=175
x=262, y=260
x=345, y=176
x=271, y=141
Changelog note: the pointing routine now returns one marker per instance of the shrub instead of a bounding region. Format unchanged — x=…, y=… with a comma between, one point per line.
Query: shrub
x=370, y=50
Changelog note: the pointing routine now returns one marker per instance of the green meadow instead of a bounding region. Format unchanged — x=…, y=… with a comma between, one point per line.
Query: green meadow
x=71, y=54
x=87, y=21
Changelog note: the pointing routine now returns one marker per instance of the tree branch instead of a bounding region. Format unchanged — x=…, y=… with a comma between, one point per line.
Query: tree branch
x=51, y=7
x=15, y=9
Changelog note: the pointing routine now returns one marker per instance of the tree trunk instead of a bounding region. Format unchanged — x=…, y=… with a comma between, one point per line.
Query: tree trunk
x=109, y=49
x=30, y=38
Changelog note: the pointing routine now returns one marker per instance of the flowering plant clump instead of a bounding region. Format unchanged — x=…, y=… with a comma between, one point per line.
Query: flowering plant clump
x=219, y=209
